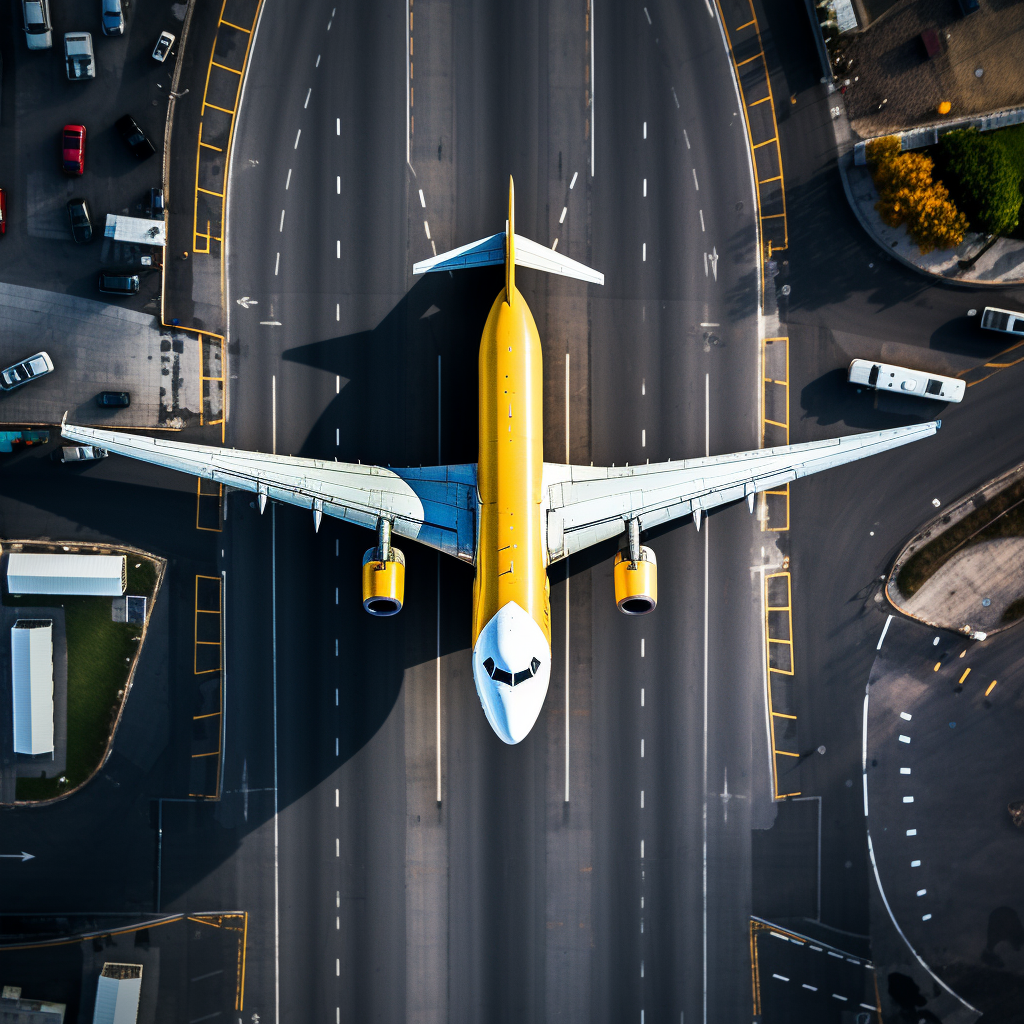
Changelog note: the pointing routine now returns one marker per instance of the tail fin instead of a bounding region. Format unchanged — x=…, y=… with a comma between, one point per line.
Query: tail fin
x=511, y=249
x=510, y=244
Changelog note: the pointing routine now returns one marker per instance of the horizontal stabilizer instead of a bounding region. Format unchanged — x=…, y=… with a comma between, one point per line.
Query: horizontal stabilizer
x=491, y=252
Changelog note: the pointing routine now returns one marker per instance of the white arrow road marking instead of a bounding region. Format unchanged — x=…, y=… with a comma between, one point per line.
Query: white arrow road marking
x=714, y=262
x=23, y=856
x=245, y=302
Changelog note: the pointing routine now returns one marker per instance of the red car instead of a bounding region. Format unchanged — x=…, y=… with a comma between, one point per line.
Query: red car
x=3, y=212
x=73, y=148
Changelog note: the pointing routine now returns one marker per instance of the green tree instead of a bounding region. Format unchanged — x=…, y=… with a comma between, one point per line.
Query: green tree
x=982, y=179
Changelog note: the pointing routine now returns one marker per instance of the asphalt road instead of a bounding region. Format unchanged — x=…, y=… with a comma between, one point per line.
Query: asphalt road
x=503, y=901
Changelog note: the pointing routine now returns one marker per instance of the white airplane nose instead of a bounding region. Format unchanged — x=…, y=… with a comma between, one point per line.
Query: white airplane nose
x=511, y=669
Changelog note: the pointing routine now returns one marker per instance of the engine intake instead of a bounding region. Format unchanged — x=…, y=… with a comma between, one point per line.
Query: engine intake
x=383, y=582
x=636, y=582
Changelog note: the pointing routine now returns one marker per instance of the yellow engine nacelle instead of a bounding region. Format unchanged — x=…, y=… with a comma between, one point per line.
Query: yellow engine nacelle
x=636, y=583
x=383, y=582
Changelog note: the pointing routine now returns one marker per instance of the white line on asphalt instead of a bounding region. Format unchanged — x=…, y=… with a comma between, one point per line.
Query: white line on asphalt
x=337, y=847
x=280, y=226
x=675, y=97
x=922, y=892
x=337, y=897
x=337, y=962
x=337, y=797
x=288, y=180
x=317, y=64
x=337, y=928
x=575, y=175
x=337, y=126
x=649, y=22
x=885, y=629
x=336, y=655
x=423, y=201
x=641, y=692
x=915, y=863
x=704, y=789
x=645, y=252
x=908, y=799
x=434, y=247
x=695, y=185
x=337, y=391
x=645, y=129
x=779, y=935
x=329, y=25
x=592, y=87
x=904, y=771
x=554, y=245
x=926, y=917
x=781, y=977
x=308, y=94
x=833, y=953
x=816, y=948
x=273, y=633
x=911, y=831
x=641, y=655
x=641, y=748
x=705, y=264
x=336, y=548
x=702, y=220
x=841, y=998
x=337, y=436
x=567, y=366
x=643, y=438
x=335, y=746
x=868, y=1006
x=904, y=739
x=337, y=1015
x=336, y=595
x=905, y=716
x=337, y=185
x=641, y=857
x=273, y=413
x=687, y=138
x=277, y=264
x=707, y=4
x=645, y=188
x=426, y=227
x=337, y=249
x=298, y=134
x=565, y=210
x=337, y=311
x=641, y=799
x=810, y=988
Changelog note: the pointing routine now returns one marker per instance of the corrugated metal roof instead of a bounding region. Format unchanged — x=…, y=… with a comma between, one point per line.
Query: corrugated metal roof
x=66, y=574
x=32, y=685
x=117, y=1001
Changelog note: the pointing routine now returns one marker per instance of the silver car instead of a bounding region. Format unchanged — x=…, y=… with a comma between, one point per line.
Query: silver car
x=38, y=27
x=28, y=369
x=79, y=453
x=78, y=56
x=112, y=17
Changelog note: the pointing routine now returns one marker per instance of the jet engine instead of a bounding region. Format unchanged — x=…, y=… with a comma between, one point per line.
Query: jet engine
x=636, y=581
x=383, y=575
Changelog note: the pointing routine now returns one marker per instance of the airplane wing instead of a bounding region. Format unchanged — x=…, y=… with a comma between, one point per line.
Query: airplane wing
x=435, y=505
x=588, y=504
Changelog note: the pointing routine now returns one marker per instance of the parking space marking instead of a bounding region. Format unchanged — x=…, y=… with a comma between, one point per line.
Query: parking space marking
x=779, y=662
x=775, y=425
x=208, y=659
x=209, y=510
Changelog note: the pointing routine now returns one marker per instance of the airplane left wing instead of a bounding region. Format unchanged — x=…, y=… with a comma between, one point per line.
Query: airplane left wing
x=588, y=504
x=434, y=505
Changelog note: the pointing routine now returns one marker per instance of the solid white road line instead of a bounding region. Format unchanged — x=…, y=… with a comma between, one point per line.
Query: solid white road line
x=288, y=180
x=273, y=413
x=567, y=363
x=273, y=622
x=280, y=226
x=695, y=185
x=885, y=629
x=592, y=89
x=298, y=135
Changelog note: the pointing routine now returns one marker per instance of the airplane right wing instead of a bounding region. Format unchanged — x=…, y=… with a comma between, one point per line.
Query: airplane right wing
x=589, y=504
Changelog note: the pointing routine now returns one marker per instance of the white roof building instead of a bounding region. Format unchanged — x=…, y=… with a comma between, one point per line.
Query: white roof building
x=32, y=685
x=103, y=575
x=117, y=994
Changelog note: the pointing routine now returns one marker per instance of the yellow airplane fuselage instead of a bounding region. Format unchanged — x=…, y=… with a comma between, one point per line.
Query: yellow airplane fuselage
x=510, y=555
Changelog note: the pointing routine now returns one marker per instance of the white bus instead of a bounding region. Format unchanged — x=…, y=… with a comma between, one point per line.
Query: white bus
x=900, y=379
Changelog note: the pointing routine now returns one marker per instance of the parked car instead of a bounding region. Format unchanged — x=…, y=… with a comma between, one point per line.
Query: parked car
x=113, y=399
x=73, y=148
x=163, y=46
x=38, y=27
x=78, y=56
x=14, y=376
x=904, y=381
x=3, y=212
x=81, y=220
x=111, y=17
x=78, y=453
x=930, y=42
x=134, y=137
x=1004, y=320
x=156, y=202
x=118, y=283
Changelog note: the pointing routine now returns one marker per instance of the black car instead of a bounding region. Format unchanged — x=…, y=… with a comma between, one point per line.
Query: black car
x=119, y=283
x=134, y=137
x=113, y=399
x=81, y=222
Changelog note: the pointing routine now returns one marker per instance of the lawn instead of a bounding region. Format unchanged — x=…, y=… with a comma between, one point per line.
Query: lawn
x=100, y=653
x=1012, y=141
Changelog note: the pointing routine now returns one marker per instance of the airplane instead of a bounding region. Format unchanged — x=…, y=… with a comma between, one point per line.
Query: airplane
x=512, y=514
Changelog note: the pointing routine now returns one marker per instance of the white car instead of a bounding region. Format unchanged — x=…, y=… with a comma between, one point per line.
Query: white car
x=38, y=27
x=79, y=453
x=28, y=369
x=78, y=56
x=904, y=381
x=163, y=46
x=1004, y=320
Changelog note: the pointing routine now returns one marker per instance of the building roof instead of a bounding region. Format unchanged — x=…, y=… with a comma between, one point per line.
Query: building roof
x=117, y=994
x=32, y=685
x=66, y=574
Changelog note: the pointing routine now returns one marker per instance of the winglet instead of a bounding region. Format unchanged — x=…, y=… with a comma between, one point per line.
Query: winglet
x=510, y=244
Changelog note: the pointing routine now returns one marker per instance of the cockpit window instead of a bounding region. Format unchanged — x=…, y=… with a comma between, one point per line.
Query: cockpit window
x=499, y=675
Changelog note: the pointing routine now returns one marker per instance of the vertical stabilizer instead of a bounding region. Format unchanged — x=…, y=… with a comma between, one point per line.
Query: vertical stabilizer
x=510, y=244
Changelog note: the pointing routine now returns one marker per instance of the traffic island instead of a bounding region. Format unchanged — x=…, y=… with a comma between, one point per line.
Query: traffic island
x=97, y=642
x=964, y=570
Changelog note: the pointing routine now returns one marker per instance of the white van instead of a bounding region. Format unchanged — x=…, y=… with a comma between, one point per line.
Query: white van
x=884, y=377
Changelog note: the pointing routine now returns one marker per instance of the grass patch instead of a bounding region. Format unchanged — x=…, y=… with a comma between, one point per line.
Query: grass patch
x=980, y=525
x=100, y=652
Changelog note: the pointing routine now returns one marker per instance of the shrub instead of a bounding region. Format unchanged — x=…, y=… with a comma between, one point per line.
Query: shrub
x=909, y=195
x=983, y=180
